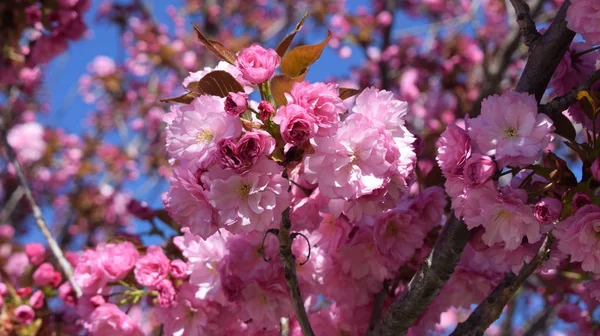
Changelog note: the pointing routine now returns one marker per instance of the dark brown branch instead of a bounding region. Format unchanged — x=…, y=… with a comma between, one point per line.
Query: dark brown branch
x=289, y=270
x=491, y=308
x=378, y=305
x=427, y=282
x=526, y=24
x=546, y=55
x=384, y=70
x=559, y=104
x=64, y=265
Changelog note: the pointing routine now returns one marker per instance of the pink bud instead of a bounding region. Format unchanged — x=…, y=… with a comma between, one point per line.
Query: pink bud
x=384, y=18
x=265, y=110
x=257, y=64
x=67, y=294
x=236, y=103
x=6, y=231
x=478, y=169
x=24, y=292
x=24, y=314
x=35, y=252
x=33, y=15
x=43, y=275
x=36, y=300
x=547, y=210
x=596, y=169
x=178, y=269
x=580, y=200
x=3, y=289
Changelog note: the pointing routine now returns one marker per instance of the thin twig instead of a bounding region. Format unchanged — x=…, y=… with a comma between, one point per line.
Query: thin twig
x=559, y=104
x=526, y=24
x=427, y=282
x=540, y=322
x=491, y=308
x=289, y=270
x=37, y=213
x=10, y=206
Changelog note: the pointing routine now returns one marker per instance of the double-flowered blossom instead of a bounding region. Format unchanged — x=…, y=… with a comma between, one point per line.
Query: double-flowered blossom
x=454, y=148
x=578, y=237
x=511, y=129
x=257, y=64
x=323, y=103
x=583, y=17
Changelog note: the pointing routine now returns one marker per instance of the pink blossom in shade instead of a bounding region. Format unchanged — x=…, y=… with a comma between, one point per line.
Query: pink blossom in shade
x=322, y=101
x=44, y=275
x=178, y=269
x=36, y=253
x=102, y=66
x=265, y=110
x=257, y=64
x=596, y=169
x=580, y=200
x=511, y=129
x=332, y=232
x=478, y=170
x=594, y=288
x=204, y=256
x=24, y=314
x=236, y=103
x=117, y=259
x=67, y=294
x=582, y=18
x=297, y=125
x=187, y=204
x=166, y=293
x=397, y=235
x=108, y=319
x=429, y=206
x=578, y=237
x=358, y=160
x=89, y=274
x=194, y=130
x=264, y=304
x=547, y=210
x=305, y=215
x=454, y=148
x=573, y=70
x=36, y=300
x=33, y=14
x=151, y=268
x=27, y=140
x=252, y=201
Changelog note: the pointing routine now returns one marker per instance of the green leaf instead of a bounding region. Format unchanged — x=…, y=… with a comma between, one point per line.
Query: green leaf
x=346, y=93
x=563, y=126
x=285, y=43
x=296, y=62
x=185, y=98
x=216, y=47
x=216, y=83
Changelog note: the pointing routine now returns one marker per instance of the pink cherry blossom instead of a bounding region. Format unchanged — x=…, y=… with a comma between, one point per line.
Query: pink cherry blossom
x=44, y=275
x=24, y=314
x=296, y=123
x=117, y=259
x=108, y=319
x=28, y=141
x=478, y=170
x=152, y=268
x=547, y=210
x=89, y=274
x=178, y=269
x=166, y=293
x=323, y=103
x=236, y=103
x=454, y=148
x=573, y=70
x=511, y=129
x=582, y=18
x=257, y=64
x=36, y=253
x=578, y=237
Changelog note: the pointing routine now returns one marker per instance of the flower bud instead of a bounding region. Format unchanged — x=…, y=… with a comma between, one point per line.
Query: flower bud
x=265, y=110
x=236, y=103
x=257, y=64
x=580, y=200
x=547, y=210
x=24, y=314
x=478, y=169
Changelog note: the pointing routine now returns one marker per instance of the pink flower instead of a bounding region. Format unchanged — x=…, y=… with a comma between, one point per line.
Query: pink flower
x=296, y=123
x=511, y=129
x=97, y=300
x=102, y=66
x=152, y=268
x=578, y=237
x=265, y=110
x=478, y=170
x=36, y=300
x=108, y=319
x=322, y=101
x=67, y=294
x=89, y=274
x=117, y=259
x=397, y=234
x=252, y=201
x=227, y=154
x=194, y=130
x=178, y=269
x=582, y=17
x=36, y=253
x=166, y=293
x=236, y=103
x=547, y=210
x=28, y=141
x=24, y=314
x=580, y=200
x=454, y=148
x=572, y=70
x=187, y=204
x=596, y=169
x=44, y=275
x=358, y=160
x=253, y=145
x=257, y=64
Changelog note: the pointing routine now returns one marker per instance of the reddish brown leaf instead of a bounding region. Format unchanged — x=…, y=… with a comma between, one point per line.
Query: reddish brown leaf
x=185, y=98
x=216, y=47
x=285, y=43
x=216, y=83
x=296, y=62
x=346, y=93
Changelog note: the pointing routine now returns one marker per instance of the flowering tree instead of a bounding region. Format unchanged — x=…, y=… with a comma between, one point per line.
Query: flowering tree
x=448, y=182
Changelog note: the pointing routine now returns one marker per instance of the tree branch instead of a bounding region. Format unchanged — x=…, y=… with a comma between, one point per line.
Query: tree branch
x=37, y=213
x=490, y=309
x=289, y=270
x=559, y=104
x=540, y=322
x=526, y=24
x=546, y=55
x=427, y=282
